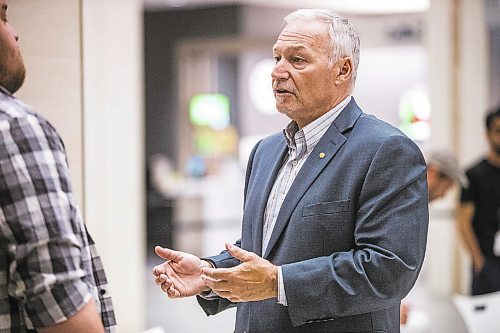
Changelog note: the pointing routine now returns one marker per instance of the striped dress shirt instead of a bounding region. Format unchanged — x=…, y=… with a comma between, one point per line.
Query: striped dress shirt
x=301, y=142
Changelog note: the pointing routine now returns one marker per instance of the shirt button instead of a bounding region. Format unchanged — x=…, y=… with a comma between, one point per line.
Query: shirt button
x=294, y=163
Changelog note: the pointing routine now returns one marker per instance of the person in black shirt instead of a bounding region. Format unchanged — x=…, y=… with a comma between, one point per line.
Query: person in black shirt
x=479, y=213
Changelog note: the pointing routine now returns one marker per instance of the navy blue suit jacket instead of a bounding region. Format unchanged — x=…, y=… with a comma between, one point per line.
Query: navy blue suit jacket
x=351, y=233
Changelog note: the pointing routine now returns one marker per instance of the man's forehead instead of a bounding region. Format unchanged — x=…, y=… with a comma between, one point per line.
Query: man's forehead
x=303, y=33
x=296, y=46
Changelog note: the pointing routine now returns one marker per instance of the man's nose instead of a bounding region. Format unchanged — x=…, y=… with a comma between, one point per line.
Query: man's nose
x=280, y=71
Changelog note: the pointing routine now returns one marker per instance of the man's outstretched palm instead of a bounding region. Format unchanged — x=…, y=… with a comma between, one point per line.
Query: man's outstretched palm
x=180, y=275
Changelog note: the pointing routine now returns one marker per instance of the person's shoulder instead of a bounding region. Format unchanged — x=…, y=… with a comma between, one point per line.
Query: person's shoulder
x=478, y=171
x=13, y=108
x=272, y=140
x=372, y=129
x=478, y=167
x=14, y=112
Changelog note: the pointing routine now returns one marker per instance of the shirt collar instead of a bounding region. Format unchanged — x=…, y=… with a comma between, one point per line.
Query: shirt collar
x=315, y=130
x=5, y=91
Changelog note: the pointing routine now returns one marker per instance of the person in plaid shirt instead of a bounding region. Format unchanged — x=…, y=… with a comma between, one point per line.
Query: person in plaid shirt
x=51, y=278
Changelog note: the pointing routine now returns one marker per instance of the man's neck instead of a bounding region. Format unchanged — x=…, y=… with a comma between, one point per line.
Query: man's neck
x=306, y=121
x=494, y=159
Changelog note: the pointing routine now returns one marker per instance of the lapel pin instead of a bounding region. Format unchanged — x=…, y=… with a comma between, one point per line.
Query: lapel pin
x=322, y=155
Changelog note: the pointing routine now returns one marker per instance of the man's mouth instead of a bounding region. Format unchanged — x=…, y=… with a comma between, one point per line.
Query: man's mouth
x=282, y=91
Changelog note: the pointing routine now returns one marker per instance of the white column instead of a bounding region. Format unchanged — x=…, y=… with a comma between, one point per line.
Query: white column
x=113, y=149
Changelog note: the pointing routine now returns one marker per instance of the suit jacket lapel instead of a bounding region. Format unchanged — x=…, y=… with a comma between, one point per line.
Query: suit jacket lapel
x=329, y=144
x=274, y=160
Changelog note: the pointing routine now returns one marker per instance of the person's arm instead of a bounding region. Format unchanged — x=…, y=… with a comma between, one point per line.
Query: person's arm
x=44, y=233
x=389, y=240
x=84, y=321
x=465, y=215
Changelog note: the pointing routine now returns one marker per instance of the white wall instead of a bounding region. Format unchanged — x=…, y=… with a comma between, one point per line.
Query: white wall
x=113, y=142
x=53, y=64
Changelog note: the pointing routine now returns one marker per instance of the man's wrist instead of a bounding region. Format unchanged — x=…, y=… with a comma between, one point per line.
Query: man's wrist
x=275, y=281
x=206, y=263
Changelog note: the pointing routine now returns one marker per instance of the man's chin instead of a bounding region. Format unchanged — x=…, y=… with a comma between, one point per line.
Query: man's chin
x=284, y=108
x=13, y=82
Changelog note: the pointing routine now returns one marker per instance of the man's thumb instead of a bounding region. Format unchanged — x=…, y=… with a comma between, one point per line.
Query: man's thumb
x=239, y=253
x=165, y=253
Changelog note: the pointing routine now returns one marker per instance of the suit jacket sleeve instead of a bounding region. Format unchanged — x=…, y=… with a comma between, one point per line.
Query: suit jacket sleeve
x=390, y=229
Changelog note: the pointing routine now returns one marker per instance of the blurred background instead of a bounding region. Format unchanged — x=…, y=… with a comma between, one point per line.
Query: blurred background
x=159, y=103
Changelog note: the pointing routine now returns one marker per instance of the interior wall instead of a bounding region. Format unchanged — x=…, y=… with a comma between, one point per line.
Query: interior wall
x=114, y=149
x=53, y=85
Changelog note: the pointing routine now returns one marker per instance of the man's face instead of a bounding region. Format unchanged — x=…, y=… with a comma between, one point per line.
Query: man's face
x=493, y=135
x=303, y=84
x=12, y=70
x=438, y=183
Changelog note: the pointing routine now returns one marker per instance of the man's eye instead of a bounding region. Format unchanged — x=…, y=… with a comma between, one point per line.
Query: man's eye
x=297, y=59
x=276, y=58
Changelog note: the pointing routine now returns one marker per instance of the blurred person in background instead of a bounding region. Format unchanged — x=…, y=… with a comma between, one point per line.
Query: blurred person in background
x=479, y=213
x=443, y=172
x=335, y=214
x=51, y=278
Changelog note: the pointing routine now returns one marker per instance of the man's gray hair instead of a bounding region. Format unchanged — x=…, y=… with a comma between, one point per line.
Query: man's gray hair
x=344, y=39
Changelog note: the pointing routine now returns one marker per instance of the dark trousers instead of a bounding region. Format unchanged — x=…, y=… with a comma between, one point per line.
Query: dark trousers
x=488, y=279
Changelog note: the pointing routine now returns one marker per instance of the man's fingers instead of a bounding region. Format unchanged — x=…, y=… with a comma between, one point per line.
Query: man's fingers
x=166, y=286
x=216, y=273
x=167, y=254
x=159, y=280
x=160, y=269
x=239, y=253
x=173, y=293
x=162, y=278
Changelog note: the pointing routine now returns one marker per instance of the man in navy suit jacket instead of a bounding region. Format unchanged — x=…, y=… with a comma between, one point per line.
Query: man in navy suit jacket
x=336, y=207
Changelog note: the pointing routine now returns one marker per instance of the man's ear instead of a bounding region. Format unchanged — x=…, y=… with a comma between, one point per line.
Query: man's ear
x=344, y=71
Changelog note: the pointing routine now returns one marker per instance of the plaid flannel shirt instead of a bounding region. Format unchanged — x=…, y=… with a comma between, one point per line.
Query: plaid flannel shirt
x=49, y=267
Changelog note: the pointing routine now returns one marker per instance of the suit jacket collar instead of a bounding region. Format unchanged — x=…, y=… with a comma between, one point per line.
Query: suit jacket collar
x=348, y=117
x=270, y=168
x=322, y=154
